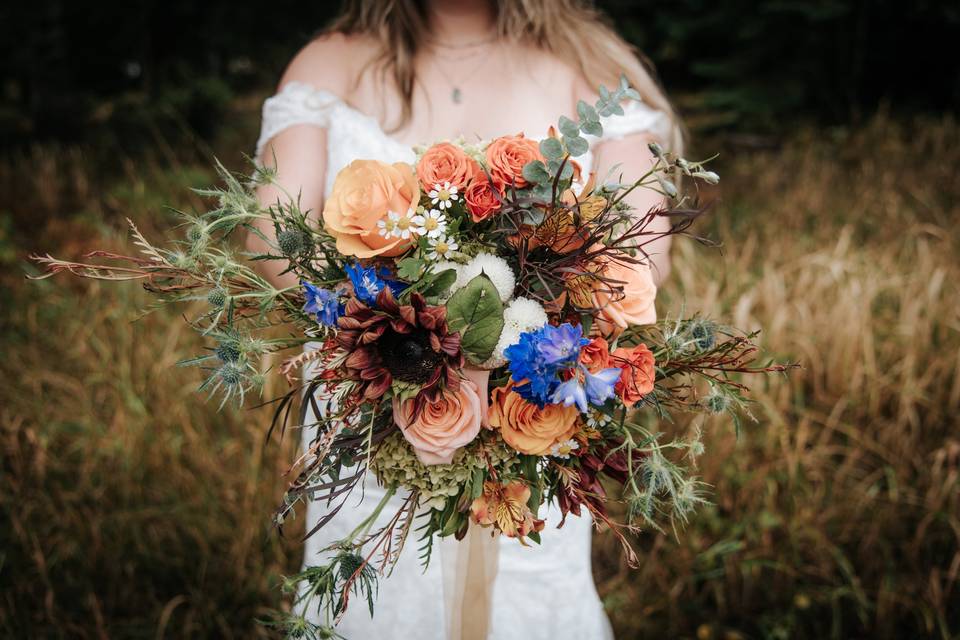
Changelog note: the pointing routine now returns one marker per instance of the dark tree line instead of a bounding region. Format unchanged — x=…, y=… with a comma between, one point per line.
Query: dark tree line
x=67, y=67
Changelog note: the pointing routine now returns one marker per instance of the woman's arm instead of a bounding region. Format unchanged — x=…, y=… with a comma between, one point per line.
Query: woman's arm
x=298, y=154
x=635, y=159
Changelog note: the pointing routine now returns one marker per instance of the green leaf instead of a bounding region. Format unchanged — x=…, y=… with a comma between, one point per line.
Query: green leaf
x=592, y=128
x=586, y=113
x=441, y=283
x=477, y=313
x=551, y=149
x=568, y=127
x=476, y=483
x=576, y=145
x=536, y=172
x=535, y=536
x=409, y=269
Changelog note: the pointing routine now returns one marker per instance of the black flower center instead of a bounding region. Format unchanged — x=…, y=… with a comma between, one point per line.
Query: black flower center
x=408, y=356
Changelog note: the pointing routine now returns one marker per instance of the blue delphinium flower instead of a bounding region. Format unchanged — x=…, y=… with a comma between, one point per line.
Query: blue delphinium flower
x=322, y=302
x=595, y=388
x=368, y=282
x=600, y=386
x=539, y=357
x=571, y=392
x=561, y=345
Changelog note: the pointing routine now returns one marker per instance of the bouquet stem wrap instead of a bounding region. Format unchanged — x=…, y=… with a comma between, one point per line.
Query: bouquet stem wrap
x=469, y=569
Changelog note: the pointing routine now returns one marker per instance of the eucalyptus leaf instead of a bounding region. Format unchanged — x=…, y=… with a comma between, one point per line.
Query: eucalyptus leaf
x=551, y=149
x=576, y=145
x=586, y=113
x=568, y=127
x=592, y=128
x=536, y=172
x=477, y=313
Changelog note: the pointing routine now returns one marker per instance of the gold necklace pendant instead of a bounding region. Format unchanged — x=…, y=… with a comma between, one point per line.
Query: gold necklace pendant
x=457, y=95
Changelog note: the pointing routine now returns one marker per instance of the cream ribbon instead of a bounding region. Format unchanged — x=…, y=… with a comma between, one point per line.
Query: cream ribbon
x=469, y=569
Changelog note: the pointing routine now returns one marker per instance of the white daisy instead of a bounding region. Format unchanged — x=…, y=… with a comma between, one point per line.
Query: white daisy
x=564, y=449
x=403, y=226
x=441, y=248
x=443, y=195
x=597, y=420
x=430, y=223
x=385, y=227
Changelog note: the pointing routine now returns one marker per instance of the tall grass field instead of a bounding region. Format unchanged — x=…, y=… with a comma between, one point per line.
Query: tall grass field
x=131, y=508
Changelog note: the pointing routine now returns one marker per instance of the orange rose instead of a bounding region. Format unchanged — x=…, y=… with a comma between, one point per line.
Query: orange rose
x=362, y=195
x=525, y=426
x=483, y=199
x=442, y=426
x=628, y=301
x=595, y=355
x=446, y=162
x=637, y=372
x=505, y=507
x=506, y=157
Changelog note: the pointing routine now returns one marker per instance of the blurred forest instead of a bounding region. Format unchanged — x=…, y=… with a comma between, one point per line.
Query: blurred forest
x=132, y=508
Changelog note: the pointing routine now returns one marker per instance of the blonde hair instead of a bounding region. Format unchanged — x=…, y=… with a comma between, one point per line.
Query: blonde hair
x=572, y=30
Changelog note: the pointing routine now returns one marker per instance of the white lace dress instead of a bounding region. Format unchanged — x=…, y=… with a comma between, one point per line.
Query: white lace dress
x=541, y=592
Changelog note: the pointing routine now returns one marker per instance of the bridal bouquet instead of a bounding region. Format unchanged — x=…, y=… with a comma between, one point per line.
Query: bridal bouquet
x=488, y=340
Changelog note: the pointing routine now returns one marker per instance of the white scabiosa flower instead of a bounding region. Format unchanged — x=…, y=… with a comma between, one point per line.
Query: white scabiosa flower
x=495, y=268
x=521, y=315
x=432, y=224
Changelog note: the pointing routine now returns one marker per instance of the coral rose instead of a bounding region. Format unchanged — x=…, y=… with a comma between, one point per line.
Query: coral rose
x=628, y=301
x=483, y=199
x=362, y=195
x=525, y=426
x=595, y=355
x=637, y=372
x=506, y=157
x=442, y=426
x=446, y=162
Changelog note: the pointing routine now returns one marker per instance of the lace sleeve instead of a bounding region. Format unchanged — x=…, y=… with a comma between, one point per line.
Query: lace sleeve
x=637, y=118
x=297, y=103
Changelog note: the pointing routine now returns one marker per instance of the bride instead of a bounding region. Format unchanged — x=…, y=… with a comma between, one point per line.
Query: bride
x=389, y=74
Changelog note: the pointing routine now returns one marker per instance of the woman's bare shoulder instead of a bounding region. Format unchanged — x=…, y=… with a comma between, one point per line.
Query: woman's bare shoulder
x=331, y=61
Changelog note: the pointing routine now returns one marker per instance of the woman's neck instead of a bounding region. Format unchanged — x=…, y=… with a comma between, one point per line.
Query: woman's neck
x=457, y=21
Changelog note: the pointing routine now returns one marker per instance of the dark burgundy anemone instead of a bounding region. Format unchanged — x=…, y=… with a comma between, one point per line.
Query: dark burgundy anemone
x=410, y=343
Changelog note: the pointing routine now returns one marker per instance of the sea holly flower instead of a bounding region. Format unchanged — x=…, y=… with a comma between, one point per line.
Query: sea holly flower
x=403, y=226
x=368, y=282
x=323, y=303
x=443, y=195
x=431, y=223
x=441, y=247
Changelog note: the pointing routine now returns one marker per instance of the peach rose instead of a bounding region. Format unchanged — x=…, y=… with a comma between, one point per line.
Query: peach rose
x=637, y=372
x=525, y=426
x=631, y=300
x=483, y=199
x=442, y=426
x=364, y=192
x=446, y=162
x=506, y=157
x=595, y=355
